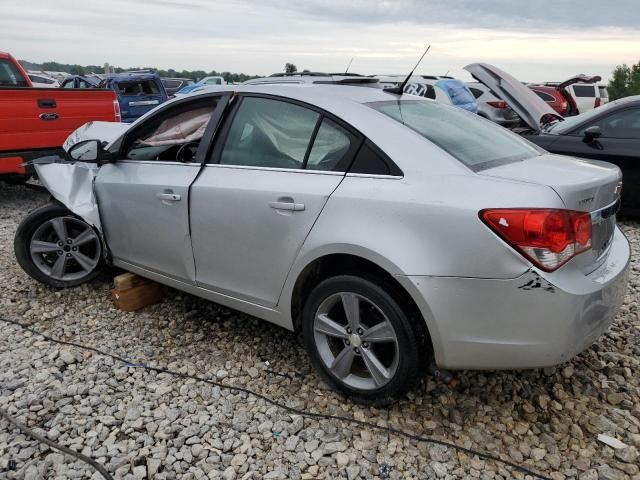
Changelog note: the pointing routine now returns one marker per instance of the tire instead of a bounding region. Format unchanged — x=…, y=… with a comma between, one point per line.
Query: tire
x=15, y=179
x=58, y=262
x=400, y=357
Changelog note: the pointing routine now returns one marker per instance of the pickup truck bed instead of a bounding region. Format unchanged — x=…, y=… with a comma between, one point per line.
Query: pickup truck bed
x=36, y=121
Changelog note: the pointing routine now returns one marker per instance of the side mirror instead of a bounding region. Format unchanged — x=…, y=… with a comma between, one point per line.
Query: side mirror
x=87, y=151
x=591, y=133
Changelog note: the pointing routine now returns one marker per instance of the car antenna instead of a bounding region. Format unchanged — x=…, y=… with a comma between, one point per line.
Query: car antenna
x=348, y=66
x=447, y=73
x=399, y=90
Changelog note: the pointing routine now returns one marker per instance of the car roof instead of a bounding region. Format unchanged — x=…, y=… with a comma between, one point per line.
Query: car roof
x=321, y=95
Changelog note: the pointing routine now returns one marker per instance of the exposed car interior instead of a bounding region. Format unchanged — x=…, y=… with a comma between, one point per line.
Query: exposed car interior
x=175, y=137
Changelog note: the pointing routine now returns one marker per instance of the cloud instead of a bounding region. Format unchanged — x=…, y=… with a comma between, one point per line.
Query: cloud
x=495, y=14
x=382, y=36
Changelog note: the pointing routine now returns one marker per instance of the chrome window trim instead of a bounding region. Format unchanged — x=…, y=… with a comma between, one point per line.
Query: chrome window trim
x=274, y=169
x=158, y=162
x=375, y=175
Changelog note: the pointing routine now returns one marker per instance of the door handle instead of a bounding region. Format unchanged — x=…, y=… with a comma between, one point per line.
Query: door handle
x=171, y=197
x=294, y=207
x=46, y=103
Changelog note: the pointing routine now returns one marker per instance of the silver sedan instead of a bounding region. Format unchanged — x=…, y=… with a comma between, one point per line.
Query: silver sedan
x=391, y=231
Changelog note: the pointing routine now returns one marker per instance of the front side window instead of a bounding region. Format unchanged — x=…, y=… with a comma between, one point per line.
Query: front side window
x=624, y=124
x=174, y=136
x=10, y=76
x=476, y=143
x=269, y=133
x=584, y=90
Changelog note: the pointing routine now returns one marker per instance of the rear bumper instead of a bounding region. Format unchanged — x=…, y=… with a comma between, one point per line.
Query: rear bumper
x=526, y=322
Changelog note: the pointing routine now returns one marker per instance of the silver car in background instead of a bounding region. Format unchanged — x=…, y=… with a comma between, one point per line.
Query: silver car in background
x=491, y=107
x=389, y=230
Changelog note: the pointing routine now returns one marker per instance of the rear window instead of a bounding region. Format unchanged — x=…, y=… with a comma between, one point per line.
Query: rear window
x=138, y=87
x=584, y=90
x=545, y=96
x=476, y=143
x=10, y=76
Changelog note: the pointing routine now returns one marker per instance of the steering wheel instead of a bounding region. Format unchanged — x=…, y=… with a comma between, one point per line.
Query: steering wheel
x=186, y=152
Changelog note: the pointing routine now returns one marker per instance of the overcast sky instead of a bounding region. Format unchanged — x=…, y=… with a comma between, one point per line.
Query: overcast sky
x=534, y=40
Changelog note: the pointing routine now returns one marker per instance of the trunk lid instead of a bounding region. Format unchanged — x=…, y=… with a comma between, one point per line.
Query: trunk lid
x=579, y=79
x=532, y=109
x=583, y=185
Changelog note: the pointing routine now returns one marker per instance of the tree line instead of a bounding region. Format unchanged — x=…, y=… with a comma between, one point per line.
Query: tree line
x=625, y=81
x=75, y=69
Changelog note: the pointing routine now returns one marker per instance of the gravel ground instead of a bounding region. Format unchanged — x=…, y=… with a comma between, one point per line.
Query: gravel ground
x=143, y=424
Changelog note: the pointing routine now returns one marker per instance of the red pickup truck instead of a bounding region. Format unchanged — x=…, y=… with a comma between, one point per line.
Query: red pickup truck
x=36, y=121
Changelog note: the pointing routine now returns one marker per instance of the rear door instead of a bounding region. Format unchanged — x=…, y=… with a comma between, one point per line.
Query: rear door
x=144, y=196
x=256, y=200
x=585, y=96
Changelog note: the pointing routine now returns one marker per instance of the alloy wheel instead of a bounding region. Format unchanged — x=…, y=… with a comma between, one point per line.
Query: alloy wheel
x=356, y=341
x=65, y=248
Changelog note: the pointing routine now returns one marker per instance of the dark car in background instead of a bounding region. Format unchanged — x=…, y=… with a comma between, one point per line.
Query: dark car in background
x=172, y=85
x=609, y=133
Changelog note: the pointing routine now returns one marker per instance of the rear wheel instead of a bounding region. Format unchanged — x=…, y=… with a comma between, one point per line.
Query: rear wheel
x=361, y=340
x=58, y=248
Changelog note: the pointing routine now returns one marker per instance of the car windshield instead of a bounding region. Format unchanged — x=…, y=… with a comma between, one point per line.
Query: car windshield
x=477, y=143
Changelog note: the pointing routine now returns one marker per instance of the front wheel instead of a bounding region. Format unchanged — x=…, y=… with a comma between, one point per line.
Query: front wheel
x=56, y=247
x=361, y=340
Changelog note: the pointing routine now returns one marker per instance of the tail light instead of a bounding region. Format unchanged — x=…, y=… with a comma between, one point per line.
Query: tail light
x=499, y=104
x=116, y=111
x=598, y=102
x=549, y=238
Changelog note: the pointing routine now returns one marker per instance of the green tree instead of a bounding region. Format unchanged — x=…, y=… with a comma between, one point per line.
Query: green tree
x=290, y=68
x=625, y=81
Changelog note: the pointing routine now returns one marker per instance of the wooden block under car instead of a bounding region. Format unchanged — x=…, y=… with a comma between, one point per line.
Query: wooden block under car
x=143, y=293
x=128, y=280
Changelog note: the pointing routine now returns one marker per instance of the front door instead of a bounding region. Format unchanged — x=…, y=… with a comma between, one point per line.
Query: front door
x=256, y=201
x=144, y=196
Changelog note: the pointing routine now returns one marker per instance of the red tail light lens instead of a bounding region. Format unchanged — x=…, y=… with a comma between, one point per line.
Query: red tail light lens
x=116, y=110
x=499, y=104
x=549, y=238
x=598, y=102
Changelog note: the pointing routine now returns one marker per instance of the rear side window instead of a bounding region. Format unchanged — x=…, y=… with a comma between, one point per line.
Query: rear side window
x=476, y=143
x=269, y=133
x=138, y=87
x=603, y=92
x=476, y=92
x=370, y=160
x=331, y=147
x=10, y=76
x=584, y=90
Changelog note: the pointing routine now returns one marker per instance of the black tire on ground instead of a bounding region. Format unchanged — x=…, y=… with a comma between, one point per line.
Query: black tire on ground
x=409, y=345
x=15, y=179
x=25, y=233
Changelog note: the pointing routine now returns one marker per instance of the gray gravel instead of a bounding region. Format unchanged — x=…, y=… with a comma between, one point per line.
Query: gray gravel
x=141, y=424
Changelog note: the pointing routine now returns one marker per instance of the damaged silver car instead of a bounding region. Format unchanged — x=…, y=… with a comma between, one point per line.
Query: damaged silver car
x=391, y=231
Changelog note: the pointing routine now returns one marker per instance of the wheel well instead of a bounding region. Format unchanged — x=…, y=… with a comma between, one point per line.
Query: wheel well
x=343, y=264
